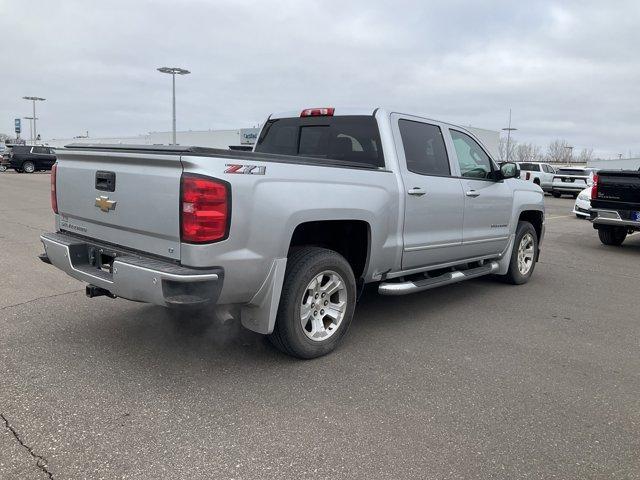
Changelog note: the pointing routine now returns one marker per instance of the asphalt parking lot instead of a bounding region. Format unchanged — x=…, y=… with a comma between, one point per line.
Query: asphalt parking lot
x=478, y=380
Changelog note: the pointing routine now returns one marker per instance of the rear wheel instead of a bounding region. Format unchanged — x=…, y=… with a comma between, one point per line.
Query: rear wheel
x=612, y=235
x=316, y=305
x=28, y=167
x=524, y=255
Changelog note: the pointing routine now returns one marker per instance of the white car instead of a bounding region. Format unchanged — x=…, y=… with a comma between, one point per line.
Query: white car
x=571, y=181
x=582, y=207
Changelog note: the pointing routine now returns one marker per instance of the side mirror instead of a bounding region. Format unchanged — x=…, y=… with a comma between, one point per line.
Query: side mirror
x=509, y=170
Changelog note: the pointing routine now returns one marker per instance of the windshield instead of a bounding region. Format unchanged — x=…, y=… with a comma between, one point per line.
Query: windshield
x=349, y=138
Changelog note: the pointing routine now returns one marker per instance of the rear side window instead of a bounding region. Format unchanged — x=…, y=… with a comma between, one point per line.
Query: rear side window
x=351, y=138
x=530, y=167
x=40, y=150
x=424, y=148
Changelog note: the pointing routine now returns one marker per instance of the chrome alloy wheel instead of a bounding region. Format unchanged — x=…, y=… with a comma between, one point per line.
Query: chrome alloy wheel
x=323, y=305
x=526, y=253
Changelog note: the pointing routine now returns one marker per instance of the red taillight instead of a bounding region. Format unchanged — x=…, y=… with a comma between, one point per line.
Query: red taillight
x=594, y=187
x=318, y=112
x=54, y=196
x=205, y=209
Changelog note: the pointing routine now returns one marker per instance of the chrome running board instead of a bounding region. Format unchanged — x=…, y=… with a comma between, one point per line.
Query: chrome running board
x=403, y=288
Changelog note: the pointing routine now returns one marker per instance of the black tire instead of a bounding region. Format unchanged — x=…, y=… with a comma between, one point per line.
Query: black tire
x=612, y=235
x=28, y=167
x=556, y=194
x=514, y=276
x=303, y=265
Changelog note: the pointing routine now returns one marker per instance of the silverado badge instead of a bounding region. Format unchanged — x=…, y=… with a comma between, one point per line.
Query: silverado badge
x=104, y=204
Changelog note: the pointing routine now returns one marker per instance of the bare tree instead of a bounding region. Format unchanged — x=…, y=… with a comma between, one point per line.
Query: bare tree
x=586, y=154
x=528, y=152
x=502, y=149
x=557, y=152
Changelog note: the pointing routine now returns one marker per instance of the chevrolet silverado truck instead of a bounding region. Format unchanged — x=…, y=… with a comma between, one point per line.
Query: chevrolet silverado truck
x=288, y=235
x=539, y=173
x=615, y=205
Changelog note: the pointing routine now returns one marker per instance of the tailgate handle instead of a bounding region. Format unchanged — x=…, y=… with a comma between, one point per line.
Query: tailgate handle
x=105, y=181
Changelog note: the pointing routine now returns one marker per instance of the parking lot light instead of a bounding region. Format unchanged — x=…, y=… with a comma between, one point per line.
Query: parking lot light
x=35, y=131
x=30, y=127
x=173, y=71
x=509, y=129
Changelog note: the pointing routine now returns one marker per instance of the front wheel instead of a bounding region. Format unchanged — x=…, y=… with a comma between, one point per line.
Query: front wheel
x=3, y=168
x=612, y=235
x=316, y=305
x=524, y=255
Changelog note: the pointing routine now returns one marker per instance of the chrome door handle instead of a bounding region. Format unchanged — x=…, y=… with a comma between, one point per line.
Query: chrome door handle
x=473, y=193
x=416, y=192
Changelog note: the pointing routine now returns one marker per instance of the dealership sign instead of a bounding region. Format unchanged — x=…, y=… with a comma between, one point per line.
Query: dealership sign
x=248, y=136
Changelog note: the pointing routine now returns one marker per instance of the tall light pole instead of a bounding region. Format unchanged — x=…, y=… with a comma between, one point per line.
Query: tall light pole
x=570, y=148
x=35, y=129
x=509, y=129
x=174, y=71
x=30, y=128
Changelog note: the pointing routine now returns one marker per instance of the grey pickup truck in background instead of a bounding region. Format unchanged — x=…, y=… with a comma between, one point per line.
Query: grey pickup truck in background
x=287, y=235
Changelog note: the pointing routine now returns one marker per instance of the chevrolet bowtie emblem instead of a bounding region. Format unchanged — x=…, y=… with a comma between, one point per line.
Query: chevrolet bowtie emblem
x=104, y=204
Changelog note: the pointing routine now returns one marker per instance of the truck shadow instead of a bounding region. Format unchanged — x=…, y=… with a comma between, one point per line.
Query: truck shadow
x=157, y=336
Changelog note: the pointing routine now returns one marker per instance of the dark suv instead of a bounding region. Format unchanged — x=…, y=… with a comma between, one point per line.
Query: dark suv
x=28, y=158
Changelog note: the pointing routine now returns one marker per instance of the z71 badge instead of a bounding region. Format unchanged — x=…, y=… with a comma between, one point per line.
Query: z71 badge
x=245, y=169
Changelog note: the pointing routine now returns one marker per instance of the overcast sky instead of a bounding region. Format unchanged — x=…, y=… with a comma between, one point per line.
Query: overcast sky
x=568, y=70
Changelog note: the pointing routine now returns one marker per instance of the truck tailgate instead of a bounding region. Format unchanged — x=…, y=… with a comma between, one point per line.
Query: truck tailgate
x=124, y=198
x=619, y=186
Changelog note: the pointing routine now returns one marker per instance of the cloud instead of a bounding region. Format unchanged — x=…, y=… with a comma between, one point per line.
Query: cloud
x=567, y=69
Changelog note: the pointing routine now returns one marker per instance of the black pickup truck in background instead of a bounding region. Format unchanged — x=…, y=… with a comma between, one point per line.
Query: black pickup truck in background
x=615, y=204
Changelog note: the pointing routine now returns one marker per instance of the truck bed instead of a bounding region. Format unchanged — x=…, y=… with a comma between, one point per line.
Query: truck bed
x=220, y=153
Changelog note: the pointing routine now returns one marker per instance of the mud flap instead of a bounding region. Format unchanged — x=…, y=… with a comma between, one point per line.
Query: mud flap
x=259, y=315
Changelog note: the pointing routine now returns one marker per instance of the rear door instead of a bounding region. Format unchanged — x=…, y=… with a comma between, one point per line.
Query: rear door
x=127, y=199
x=487, y=203
x=434, y=203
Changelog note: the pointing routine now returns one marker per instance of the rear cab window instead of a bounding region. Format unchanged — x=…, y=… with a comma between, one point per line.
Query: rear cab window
x=530, y=167
x=349, y=138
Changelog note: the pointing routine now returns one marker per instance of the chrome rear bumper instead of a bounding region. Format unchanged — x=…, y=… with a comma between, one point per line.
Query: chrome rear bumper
x=612, y=217
x=130, y=275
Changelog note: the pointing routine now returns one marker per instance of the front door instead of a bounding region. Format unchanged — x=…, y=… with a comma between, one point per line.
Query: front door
x=434, y=203
x=487, y=202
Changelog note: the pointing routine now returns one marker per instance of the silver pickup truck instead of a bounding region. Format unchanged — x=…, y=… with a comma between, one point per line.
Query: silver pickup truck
x=288, y=235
